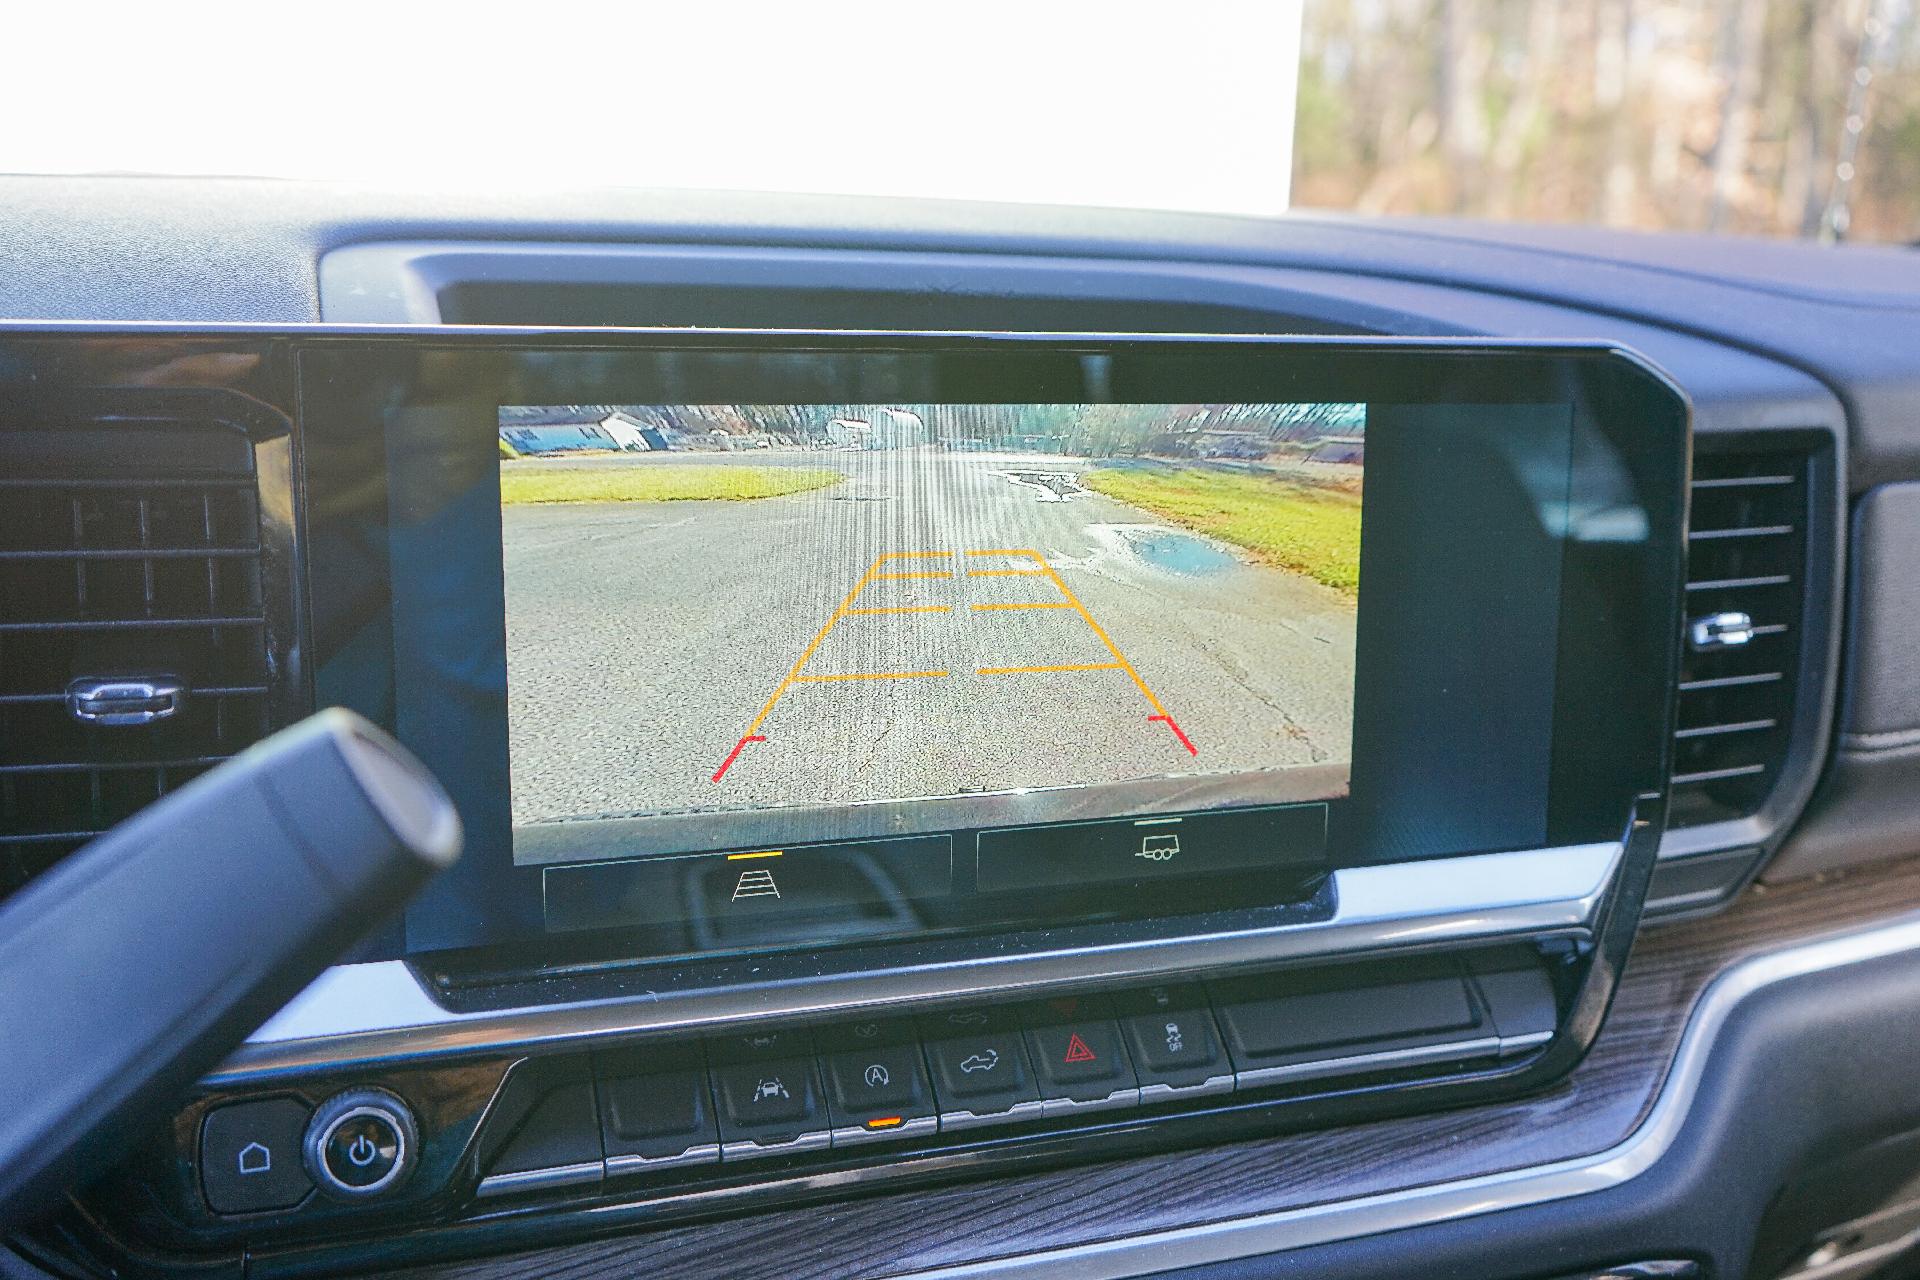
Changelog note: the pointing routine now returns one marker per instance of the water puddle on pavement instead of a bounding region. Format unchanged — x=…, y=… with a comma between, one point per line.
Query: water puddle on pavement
x=1178, y=552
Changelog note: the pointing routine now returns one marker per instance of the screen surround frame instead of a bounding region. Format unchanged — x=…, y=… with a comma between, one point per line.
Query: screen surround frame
x=1612, y=384
x=1607, y=390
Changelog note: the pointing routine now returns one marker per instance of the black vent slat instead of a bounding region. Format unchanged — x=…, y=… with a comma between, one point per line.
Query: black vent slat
x=216, y=691
x=132, y=553
x=1729, y=682
x=1746, y=556
x=1758, y=531
x=1744, y=482
x=1719, y=775
x=150, y=569
x=129, y=624
x=197, y=483
x=1741, y=584
x=109, y=766
x=1738, y=726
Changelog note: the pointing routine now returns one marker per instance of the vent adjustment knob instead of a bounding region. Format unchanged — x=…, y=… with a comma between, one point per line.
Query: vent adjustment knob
x=1720, y=631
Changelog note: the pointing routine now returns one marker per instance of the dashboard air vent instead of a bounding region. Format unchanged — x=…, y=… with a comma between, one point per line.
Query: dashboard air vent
x=1746, y=566
x=132, y=625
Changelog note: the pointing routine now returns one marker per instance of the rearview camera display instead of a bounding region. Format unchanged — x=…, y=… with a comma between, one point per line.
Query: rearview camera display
x=845, y=615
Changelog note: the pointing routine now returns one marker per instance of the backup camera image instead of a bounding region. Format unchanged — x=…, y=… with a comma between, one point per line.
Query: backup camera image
x=721, y=609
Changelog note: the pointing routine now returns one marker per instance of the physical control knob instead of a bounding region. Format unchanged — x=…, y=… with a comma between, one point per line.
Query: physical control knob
x=361, y=1143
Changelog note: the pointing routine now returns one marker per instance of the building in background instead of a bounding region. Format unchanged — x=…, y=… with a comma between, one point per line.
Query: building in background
x=881, y=428
x=614, y=431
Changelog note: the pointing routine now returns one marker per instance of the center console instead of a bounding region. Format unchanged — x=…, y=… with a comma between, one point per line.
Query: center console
x=888, y=757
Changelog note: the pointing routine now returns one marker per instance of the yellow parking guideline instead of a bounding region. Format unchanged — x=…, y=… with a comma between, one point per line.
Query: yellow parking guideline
x=1043, y=604
x=1073, y=602
x=875, y=573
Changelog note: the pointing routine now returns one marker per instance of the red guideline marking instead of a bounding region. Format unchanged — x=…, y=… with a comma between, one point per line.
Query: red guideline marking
x=1077, y=1050
x=1176, y=733
x=740, y=746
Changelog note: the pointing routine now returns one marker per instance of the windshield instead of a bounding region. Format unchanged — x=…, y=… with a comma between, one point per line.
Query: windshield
x=1772, y=117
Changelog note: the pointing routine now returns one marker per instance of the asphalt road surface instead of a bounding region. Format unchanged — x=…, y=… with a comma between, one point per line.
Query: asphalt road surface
x=937, y=624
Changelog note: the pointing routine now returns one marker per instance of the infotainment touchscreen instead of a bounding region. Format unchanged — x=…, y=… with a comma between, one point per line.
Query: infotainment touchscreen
x=728, y=643
x=870, y=620
x=806, y=608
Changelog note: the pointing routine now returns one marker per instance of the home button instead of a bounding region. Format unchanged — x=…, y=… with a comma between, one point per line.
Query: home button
x=360, y=1143
x=250, y=1156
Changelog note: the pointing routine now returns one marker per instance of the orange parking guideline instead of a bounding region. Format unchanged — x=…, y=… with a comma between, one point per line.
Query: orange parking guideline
x=875, y=573
x=845, y=607
x=1073, y=601
x=1041, y=604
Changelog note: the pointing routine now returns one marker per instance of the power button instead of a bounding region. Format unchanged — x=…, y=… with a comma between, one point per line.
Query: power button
x=360, y=1143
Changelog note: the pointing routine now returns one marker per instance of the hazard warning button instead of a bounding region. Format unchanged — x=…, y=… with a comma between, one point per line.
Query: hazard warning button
x=1079, y=1056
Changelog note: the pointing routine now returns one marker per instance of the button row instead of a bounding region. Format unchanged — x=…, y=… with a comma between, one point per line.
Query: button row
x=787, y=1092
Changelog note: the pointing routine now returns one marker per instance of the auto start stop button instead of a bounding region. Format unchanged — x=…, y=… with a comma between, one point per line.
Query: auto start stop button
x=360, y=1143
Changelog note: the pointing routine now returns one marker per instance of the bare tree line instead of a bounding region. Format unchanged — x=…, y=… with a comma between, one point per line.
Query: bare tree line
x=1101, y=430
x=1776, y=117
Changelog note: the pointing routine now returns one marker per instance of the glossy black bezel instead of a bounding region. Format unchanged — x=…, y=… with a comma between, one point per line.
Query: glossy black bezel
x=1611, y=711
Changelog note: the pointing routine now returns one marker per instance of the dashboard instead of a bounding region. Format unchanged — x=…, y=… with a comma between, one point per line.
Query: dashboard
x=927, y=811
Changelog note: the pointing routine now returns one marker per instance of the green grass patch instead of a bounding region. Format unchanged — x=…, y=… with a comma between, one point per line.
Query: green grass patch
x=658, y=484
x=1308, y=528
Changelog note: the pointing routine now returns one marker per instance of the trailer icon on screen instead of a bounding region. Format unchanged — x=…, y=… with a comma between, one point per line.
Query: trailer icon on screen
x=1159, y=848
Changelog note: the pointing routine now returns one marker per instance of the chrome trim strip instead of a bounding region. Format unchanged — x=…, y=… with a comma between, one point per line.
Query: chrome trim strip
x=1050, y=1108
x=376, y=1012
x=622, y=1165
x=565, y=1175
x=754, y=1149
x=1152, y=1093
x=1258, y=1234
x=1353, y=1064
x=1015, y=1114
x=1510, y=1045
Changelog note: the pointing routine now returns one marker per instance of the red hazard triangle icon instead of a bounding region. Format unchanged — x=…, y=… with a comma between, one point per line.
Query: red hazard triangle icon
x=1077, y=1050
